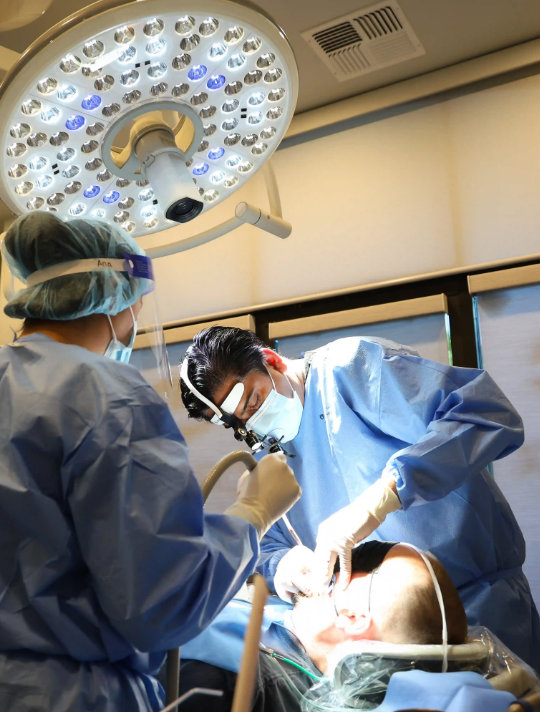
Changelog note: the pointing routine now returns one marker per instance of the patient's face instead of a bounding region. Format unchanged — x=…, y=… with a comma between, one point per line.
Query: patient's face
x=323, y=621
x=323, y=618
x=313, y=616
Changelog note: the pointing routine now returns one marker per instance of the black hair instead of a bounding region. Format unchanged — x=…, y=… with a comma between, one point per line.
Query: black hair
x=417, y=614
x=367, y=556
x=216, y=354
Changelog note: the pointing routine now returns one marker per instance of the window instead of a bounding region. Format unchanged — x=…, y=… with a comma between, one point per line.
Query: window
x=507, y=313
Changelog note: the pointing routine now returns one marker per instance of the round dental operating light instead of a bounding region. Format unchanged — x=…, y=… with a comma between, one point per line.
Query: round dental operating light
x=131, y=111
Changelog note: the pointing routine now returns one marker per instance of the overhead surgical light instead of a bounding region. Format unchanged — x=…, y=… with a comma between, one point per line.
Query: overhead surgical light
x=144, y=112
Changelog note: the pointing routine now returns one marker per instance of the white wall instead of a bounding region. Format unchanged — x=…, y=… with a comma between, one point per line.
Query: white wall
x=495, y=147
x=441, y=187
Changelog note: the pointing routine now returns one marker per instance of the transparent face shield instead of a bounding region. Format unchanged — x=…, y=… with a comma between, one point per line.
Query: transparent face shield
x=150, y=354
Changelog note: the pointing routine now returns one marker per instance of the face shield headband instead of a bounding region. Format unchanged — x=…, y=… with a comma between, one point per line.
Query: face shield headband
x=138, y=267
x=134, y=265
x=223, y=415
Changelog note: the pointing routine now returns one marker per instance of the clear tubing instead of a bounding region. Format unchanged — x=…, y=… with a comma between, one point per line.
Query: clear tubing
x=291, y=530
x=439, y=599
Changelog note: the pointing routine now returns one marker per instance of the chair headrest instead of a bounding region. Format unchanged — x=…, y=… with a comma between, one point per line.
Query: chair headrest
x=473, y=652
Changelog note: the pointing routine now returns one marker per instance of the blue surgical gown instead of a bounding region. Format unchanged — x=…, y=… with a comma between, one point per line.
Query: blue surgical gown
x=106, y=557
x=371, y=404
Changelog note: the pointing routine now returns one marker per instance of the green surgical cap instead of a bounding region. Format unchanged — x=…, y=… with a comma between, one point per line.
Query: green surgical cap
x=41, y=239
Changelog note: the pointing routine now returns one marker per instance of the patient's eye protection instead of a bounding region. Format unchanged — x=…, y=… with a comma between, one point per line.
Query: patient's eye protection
x=331, y=590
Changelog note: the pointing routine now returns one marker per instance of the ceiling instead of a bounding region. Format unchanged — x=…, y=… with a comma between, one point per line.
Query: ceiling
x=449, y=31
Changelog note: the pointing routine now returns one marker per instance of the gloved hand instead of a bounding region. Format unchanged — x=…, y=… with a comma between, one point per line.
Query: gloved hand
x=293, y=573
x=266, y=492
x=338, y=534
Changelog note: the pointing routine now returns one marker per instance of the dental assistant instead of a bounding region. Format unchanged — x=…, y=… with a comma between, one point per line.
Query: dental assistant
x=106, y=557
x=386, y=445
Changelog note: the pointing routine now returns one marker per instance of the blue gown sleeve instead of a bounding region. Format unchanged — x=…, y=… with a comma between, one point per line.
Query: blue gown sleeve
x=274, y=545
x=447, y=422
x=161, y=568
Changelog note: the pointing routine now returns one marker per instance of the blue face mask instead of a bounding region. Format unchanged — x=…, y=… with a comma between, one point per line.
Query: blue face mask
x=116, y=350
x=278, y=415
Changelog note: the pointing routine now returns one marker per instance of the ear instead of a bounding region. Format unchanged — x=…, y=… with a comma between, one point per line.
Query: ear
x=355, y=626
x=271, y=358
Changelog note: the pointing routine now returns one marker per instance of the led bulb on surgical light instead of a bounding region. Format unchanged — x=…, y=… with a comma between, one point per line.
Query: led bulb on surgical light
x=217, y=74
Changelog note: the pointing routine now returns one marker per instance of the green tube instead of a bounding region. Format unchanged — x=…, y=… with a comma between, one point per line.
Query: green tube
x=291, y=662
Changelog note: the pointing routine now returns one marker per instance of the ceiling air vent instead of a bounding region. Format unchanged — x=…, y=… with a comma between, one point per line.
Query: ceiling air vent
x=363, y=41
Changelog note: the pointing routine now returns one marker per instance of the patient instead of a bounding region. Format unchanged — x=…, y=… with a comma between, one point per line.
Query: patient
x=391, y=598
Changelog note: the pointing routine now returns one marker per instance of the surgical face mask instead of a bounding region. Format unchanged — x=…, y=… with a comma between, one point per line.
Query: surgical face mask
x=116, y=350
x=278, y=416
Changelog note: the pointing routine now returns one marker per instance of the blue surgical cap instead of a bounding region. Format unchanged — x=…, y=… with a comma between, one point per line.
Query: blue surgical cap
x=42, y=239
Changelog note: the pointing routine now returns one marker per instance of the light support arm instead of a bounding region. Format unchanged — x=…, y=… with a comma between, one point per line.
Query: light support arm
x=272, y=221
x=189, y=242
x=265, y=221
